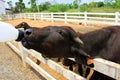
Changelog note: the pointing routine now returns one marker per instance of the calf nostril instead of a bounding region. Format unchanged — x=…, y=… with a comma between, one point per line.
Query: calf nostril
x=28, y=31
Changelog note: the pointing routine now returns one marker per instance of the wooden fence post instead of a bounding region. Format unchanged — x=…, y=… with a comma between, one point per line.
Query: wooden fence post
x=29, y=16
x=24, y=55
x=34, y=16
x=52, y=18
x=65, y=14
x=116, y=17
x=85, y=18
x=41, y=16
x=24, y=16
x=118, y=74
x=20, y=16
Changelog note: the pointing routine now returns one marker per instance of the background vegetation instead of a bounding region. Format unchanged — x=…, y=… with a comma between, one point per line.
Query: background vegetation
x=105, y=6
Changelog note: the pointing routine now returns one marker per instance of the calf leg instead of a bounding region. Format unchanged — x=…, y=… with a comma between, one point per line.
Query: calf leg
x=38, y=62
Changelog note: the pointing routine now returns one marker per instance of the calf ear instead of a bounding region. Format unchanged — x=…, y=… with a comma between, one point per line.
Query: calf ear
x=22, y=25
x=74, y=35
x=82, y=57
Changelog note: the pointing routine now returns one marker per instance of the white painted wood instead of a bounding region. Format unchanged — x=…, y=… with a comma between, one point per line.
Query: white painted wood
x=116, y=17
x=39, y=69
x=96, y=13
x=85, y=17
x=65, y=16
x=117, y=74
x=53, y=65
x=52, y=19
x=66, y=73
x=24, y=54
x=107, y=67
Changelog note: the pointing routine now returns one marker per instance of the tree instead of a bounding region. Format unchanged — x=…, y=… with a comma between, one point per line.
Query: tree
x=19, y=6
x=33, y=5
x=99, y=4
x=10, y=4
x=93, y=4
x=70, y=6
x=117, y=3
x=44, y=6
x=75, y=4
x=84, y=7
x=108, y=3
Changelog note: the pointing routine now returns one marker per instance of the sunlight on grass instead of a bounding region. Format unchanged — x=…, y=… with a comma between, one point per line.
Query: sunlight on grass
x=102, y=9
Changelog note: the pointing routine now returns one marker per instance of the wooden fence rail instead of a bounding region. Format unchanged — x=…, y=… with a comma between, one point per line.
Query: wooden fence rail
x=69, y=75
x=79, y=17
x=108, y=68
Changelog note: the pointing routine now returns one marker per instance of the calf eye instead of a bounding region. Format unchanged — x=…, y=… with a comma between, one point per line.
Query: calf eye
x=64, y=34
x=61, y=33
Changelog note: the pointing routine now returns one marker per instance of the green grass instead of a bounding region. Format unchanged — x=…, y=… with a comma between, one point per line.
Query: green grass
x=102, y=9
x=109, y=10
x=72, y=10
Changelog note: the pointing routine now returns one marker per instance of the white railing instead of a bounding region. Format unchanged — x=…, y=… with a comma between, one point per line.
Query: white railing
x=24, y=54
x=79, y=17
x=108, y=68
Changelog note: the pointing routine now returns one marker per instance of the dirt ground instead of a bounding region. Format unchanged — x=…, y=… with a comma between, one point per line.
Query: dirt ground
x=39, y=23
x=11, y=67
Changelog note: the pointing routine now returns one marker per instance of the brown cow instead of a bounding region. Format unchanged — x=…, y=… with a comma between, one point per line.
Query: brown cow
x=103, y=43
x=56, y=41
x=63, y=41
x=43, y=39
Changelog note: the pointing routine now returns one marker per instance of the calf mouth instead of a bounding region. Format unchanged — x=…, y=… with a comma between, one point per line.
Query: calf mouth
x=26, y=43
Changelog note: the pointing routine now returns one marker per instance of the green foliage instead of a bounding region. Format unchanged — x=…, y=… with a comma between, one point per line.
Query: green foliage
x=44, y=6
x=27, y=10
x=104, y=9
x=10, y=4
x=32, y=3
x=19, y=6
x=92, y=4
x=100, y=4
x=117, y=3
x=84, y=7
x=76, y=3
x=58, y=8
x=70, y=6
x=33, y=6
x=108, y=3
x=106, y=6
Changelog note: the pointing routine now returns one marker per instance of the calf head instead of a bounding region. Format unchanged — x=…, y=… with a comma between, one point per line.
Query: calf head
x=55, y=42
x=23, y=25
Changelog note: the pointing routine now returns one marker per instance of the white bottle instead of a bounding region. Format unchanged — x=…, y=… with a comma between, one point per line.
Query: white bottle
x=8, y=32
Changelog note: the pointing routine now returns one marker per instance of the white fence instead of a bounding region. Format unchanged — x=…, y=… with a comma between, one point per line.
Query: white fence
x=103, y=66
x=24, y=54
x=106, y=67
x=78, y=17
